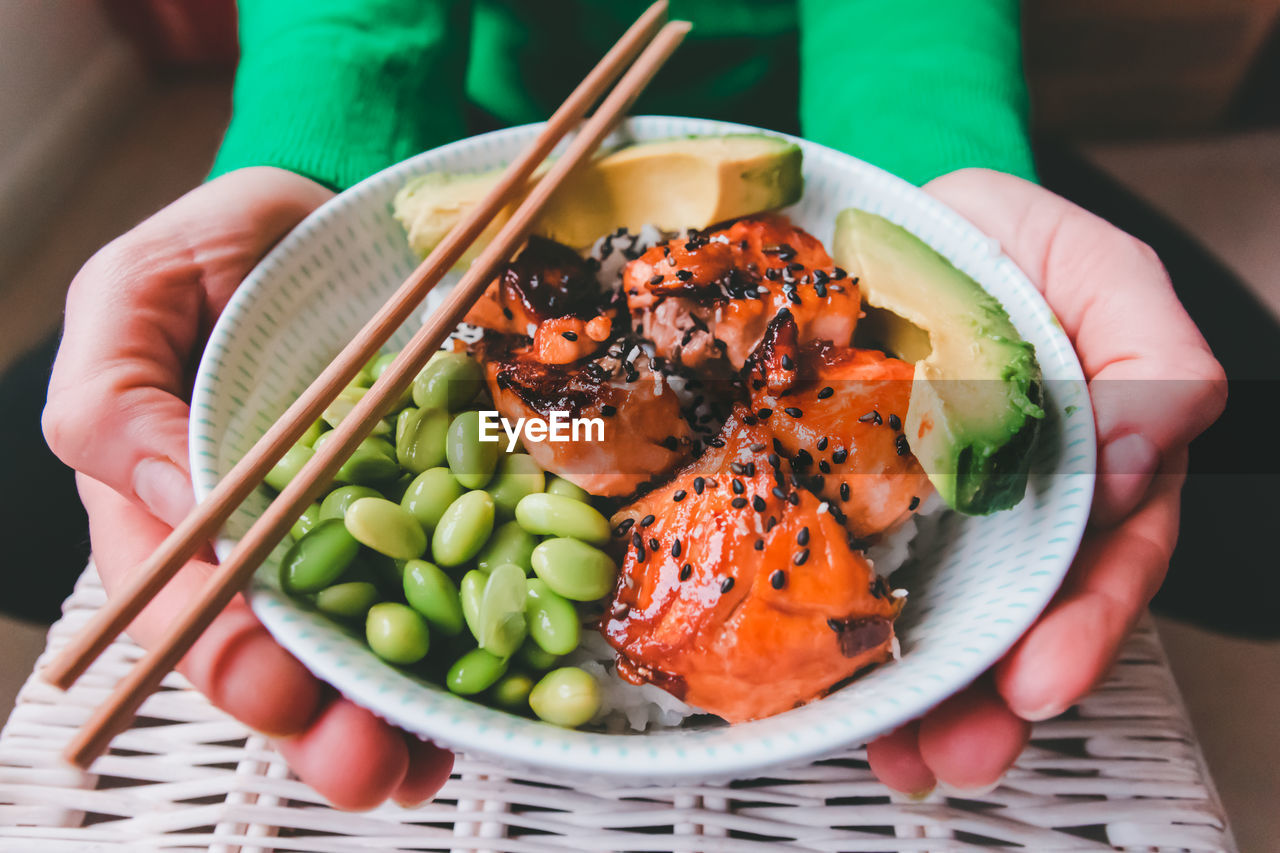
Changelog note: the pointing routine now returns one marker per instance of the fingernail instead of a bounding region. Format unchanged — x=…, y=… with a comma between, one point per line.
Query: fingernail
x=919, y=796
x=163, y=488
x=969, y=793
x=1044, y=712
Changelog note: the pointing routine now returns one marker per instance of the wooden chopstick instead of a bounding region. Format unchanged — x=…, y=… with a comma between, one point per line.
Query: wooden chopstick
x=206, y=519
x=118, y=711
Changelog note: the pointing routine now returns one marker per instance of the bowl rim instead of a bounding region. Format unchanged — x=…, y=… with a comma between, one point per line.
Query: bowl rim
x=681, y=757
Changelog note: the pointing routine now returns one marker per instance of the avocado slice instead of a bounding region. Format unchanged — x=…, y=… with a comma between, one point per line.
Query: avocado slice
x=691, y=182
x=975, y=400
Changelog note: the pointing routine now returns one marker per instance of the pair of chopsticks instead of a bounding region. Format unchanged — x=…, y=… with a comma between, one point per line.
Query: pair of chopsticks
x=641, y=51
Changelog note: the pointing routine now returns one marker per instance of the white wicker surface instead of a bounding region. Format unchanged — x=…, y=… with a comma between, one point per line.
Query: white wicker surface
x=1120, y=771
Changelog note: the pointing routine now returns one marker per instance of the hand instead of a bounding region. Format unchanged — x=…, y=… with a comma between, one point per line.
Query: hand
x=1114, y=300
x=137, y=317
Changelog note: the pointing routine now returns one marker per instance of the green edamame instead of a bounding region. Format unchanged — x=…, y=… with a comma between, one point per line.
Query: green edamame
x=475, y=671
x=502, y=609
x=517, y=475
x=344, y=403
x=394, y=491
x=336, y=502
x=283, y=472
x=512, y=691
x=379, y=365
x=470, y=593
x=510, y=543
x=449, y=381
x=552, y=621
x=429, y=495
x=350, y=600
x=305, y=522
x=313, y=432
x=319, y=558
x=463, y=529
x=574, y=569
x=562, y=487
x=386, y=527
x=420, y=438
x=372, y=463
x=471, y=460
x=556, y=515
x=432, y=593
x=535, y=657
x=397, y=633
x=566, y=697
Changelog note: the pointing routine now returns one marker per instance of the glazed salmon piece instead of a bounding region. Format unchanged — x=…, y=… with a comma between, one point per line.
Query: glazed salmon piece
x=712, y=295
x=549, y=294
x=836, y=413
x=742, y=600
x=644, y=433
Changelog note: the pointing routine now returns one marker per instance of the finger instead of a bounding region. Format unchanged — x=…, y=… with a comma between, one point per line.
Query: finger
x=429, y=769
x=1151, y=374
x=136, y=315
x=969, y=741
x=895, y=759
x=349, y=756
x=1071, y=647
x=235, y=662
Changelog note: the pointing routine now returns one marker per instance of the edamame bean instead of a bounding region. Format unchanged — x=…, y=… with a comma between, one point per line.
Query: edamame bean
x=380, y=364
x=432, y=593
x=470, y=593
x=386, y=527
x=552, y=620
x=336, y=502
x=313, y=432
x=397, y=633
x=420, y=439
x=574, y=569
x=463, y=529
x=556, y=515
x=283, y=472
x=517, y=475
x=535, y=657
x=450, y=381
x=562, y=487
x=319, y=558
x=350, y=600
x=512, y=691
x=429, y=495
x=566, y=697
x=475, y=671
x=305, y=522
x=344, y=403
x=510, y=543
x=395, y=491
x=502, y=609
x=471, y=460
x=372, y=463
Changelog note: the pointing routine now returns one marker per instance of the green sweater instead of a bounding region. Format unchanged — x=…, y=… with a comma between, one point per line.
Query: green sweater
x=338, y=89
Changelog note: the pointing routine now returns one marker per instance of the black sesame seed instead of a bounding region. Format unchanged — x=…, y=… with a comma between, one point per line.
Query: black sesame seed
x=751, y=469
x=794, y=412
x=774, y=460
x=646, y=521
x=895, y=422
x=770, y=523
x=670, y=442
x=838, y=273
x=764, y=414
x=772, y=274
x=801, y=557
x=872, y=417
x=738, y=503
x=737, y=486
x=794, y=499
x=757, y=503
x=820, y=288
x=680, y=495
x=834, y=625
x=759, y=546
x=824, y=466
x=839, y=456
x=637, y=540
x=794, y=297
x=699, y=484
x=757, y=447
x=716, y=441
x=778, y=493
x=802, y=538
x=684, y=275
x=624, y=526
x=826, y=392
x=640, y=554
x=901, y=445
x=726, y=585
x=654, y=544
x=778, y=579
x=787, y=362
x=915, y=502
x=608, y=411
x=802, y=459
x=737, y=468
x=844, y=491
x=685, y=571
x=657, y=279
x=506, y=312
x=778, y=447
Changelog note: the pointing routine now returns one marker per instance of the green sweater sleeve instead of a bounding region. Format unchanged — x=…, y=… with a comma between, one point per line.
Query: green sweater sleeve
x=338, y=89
x=917, y=87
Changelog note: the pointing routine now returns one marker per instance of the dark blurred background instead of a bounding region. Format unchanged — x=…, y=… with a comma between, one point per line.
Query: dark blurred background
x=1161, y=115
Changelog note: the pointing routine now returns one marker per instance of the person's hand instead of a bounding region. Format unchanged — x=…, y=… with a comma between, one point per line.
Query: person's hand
x=137, y=317
x=1154, y=386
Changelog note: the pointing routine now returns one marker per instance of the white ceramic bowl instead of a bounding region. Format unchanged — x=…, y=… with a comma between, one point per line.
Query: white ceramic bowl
x=975, y=585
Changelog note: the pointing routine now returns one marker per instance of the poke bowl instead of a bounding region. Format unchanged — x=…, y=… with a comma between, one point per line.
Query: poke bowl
x=972, y=583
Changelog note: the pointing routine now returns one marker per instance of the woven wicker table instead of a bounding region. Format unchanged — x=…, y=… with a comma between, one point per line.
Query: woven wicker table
x=1120, y=770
